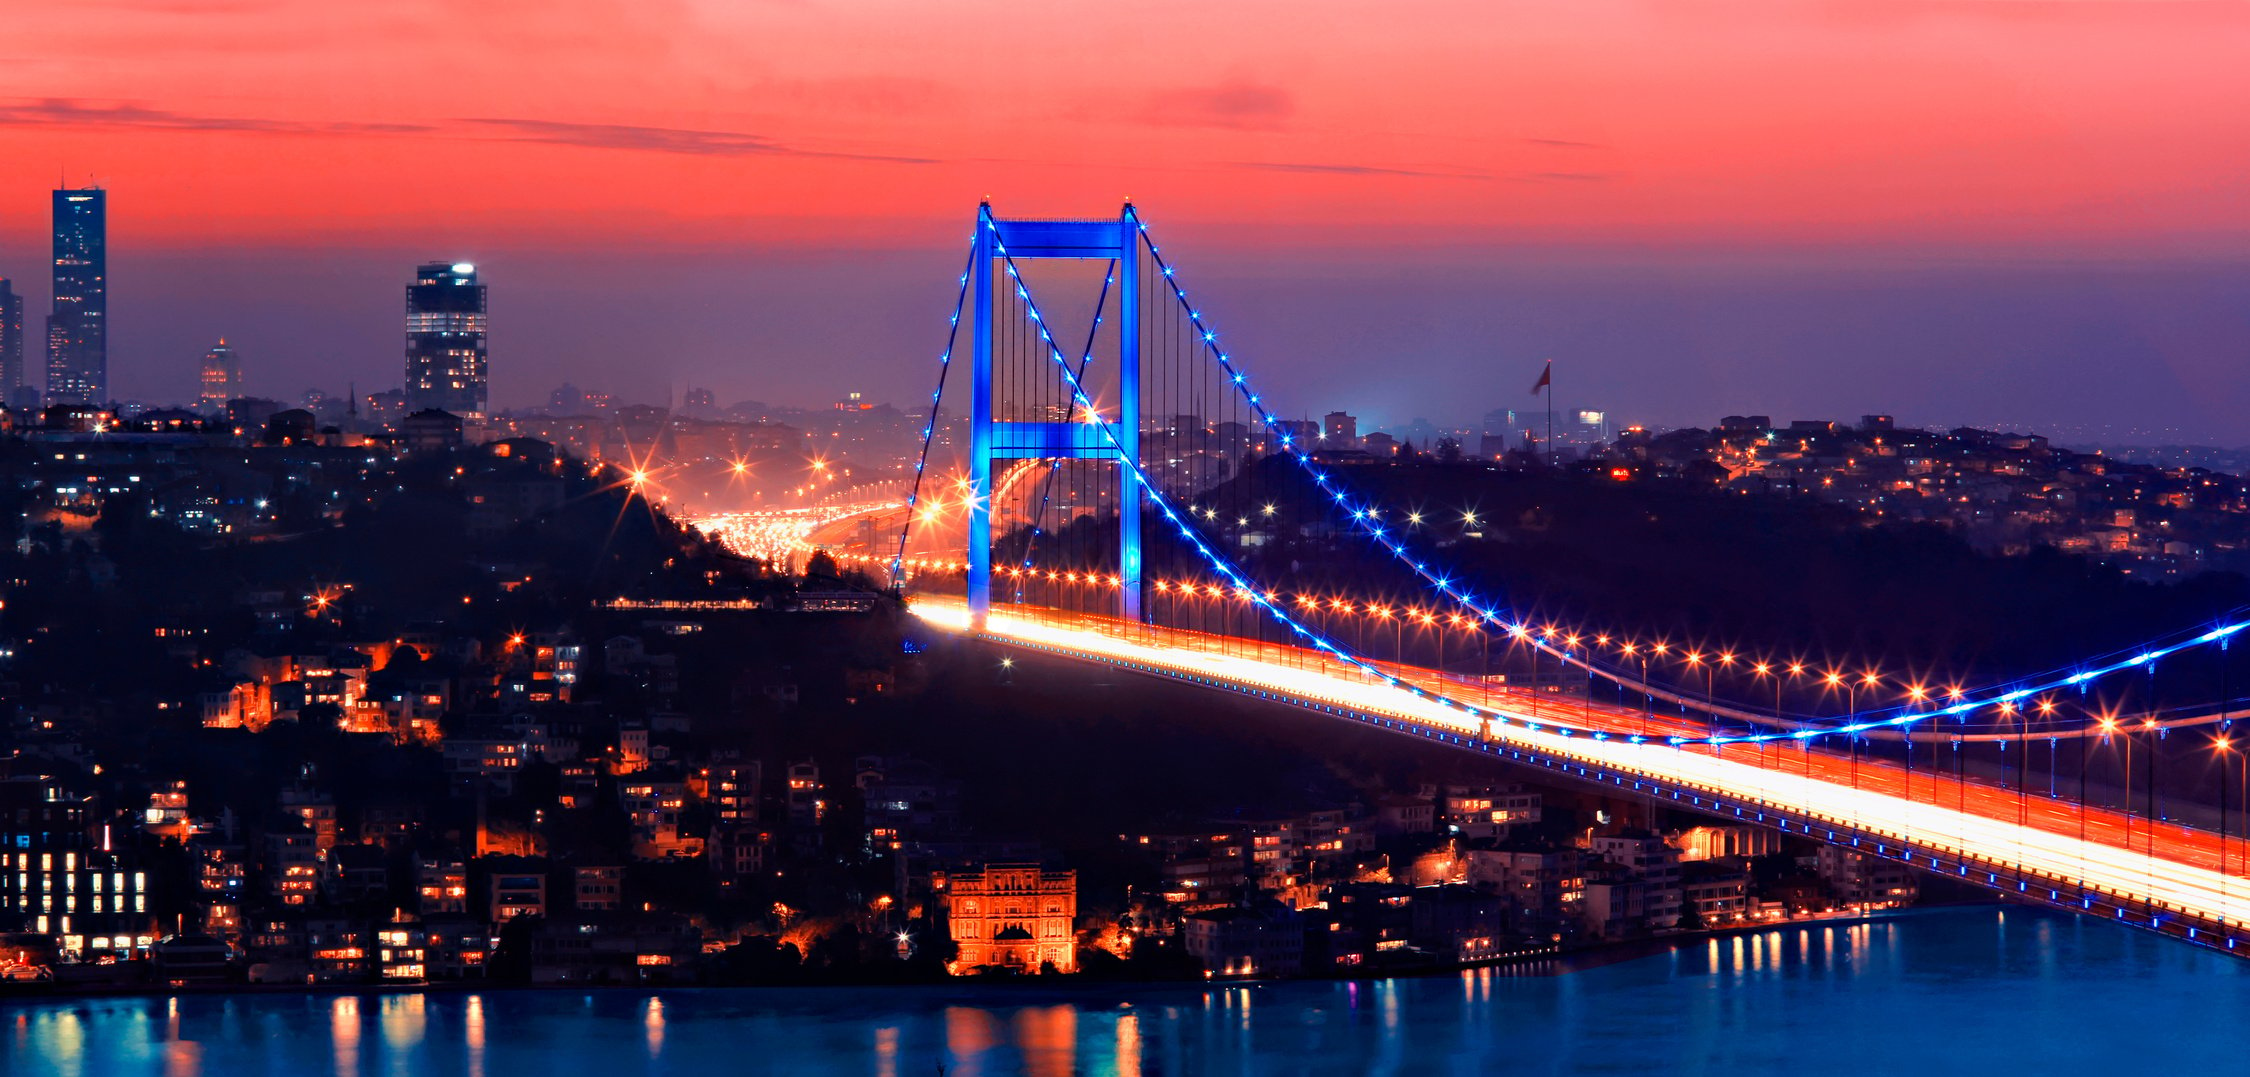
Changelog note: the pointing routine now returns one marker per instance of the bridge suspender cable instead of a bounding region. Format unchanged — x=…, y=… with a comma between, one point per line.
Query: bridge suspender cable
x=1224, y=566
x=1368, y=521
x=945, y=364
x=1047, y=485
x=2182, y=889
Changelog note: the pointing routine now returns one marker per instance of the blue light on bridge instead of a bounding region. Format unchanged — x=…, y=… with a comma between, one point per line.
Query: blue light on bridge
x=1485, y=615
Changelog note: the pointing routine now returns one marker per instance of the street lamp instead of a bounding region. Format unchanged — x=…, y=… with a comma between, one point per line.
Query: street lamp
x=1760, y=670
x=2223, y=745
x=1916, y=695
x=1398, y=630
x=1359, y=627
x=1475, y=633
x=2126, y=737
x=1588, y=709
x=1711, y=695
x=1710, y=675
x=1726, y=658
x=1804, y=745
x=2022, y=721
x=2149, y=723
x=1648, y=703
x=2047, y=710
x=1869, y=679
x=2085, y=751
x=1831, y=681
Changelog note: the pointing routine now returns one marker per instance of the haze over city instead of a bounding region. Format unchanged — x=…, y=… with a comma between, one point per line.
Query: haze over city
x=1958, y=211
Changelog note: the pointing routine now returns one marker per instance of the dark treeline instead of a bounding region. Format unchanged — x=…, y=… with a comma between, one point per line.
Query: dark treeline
x=1766, y=577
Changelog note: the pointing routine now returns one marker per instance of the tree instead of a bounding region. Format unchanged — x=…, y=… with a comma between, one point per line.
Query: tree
x=511, y=957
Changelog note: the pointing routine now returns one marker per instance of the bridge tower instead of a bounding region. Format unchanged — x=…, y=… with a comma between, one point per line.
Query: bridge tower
x=1025, y=240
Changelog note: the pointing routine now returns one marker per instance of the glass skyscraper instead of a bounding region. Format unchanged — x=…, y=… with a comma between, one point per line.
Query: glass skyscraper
x=445, y=357
x=11, y=343
x=78, y=328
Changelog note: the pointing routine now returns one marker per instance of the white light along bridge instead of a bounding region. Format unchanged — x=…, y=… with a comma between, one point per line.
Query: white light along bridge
x=1149, y=444
x=1930, y=821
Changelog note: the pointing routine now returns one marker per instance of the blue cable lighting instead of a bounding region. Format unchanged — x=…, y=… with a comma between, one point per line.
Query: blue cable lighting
x=1365, y=518
x=929, y=431
x=1085, y=360
x=1226, y=568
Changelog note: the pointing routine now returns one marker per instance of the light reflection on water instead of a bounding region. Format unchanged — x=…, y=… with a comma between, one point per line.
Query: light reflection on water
x=472, y=1034
x=1930, y=990
x=343, y=1032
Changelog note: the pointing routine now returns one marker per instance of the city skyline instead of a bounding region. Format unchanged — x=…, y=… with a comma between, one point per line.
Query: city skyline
x=1919, y=221
x=330, y=336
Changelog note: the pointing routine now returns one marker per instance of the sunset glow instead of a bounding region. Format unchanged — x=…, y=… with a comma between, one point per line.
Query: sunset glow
x=704, y=122
x=1398, y=167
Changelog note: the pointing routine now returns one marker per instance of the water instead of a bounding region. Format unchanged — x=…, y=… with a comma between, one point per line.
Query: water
x=1961, y=991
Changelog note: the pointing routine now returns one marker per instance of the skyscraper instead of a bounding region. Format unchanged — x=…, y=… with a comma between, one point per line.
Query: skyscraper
x=78, y=329
x=222, y=378
x=445, y=358
x=11, y=342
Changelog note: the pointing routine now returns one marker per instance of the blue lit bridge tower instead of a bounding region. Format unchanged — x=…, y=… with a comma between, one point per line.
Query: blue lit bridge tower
x=1000, y=246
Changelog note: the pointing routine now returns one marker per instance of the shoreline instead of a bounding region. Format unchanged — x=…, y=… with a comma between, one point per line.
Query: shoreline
x=1559, y=962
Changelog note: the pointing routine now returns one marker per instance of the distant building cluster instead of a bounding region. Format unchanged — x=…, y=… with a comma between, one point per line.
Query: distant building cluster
x=2159, y=513
x=1460, y=874
x=446, y=367
x=710, y=456
x=565, y=800
x=549, y=777
x=2006, y=493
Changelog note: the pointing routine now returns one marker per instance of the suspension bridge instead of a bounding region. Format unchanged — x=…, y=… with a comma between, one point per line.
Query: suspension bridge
x=1111, y=431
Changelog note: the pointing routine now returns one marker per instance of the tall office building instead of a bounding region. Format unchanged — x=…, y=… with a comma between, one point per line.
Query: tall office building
x=11, y=343
x=1339, y=431
x=78, y=329
x=222, y=378
x=445, y=358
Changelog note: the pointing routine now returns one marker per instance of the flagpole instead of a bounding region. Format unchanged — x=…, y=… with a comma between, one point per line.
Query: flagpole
x=1550, y=375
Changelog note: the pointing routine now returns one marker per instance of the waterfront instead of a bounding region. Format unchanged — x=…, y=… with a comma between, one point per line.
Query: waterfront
x=1959, y=990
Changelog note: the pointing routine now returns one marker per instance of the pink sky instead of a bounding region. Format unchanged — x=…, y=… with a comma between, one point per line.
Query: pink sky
x=1982, y=209
x=2103, y=124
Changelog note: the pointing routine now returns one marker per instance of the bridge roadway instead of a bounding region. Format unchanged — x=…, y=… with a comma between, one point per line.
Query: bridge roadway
x=2097, y=861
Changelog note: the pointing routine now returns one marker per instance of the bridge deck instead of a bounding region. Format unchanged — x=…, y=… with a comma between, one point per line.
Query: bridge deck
x=2096, y=859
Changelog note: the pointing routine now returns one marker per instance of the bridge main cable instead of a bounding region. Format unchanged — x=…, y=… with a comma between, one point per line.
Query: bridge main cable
x=1219, y=562
x=1366, y=520
x=929, y=430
